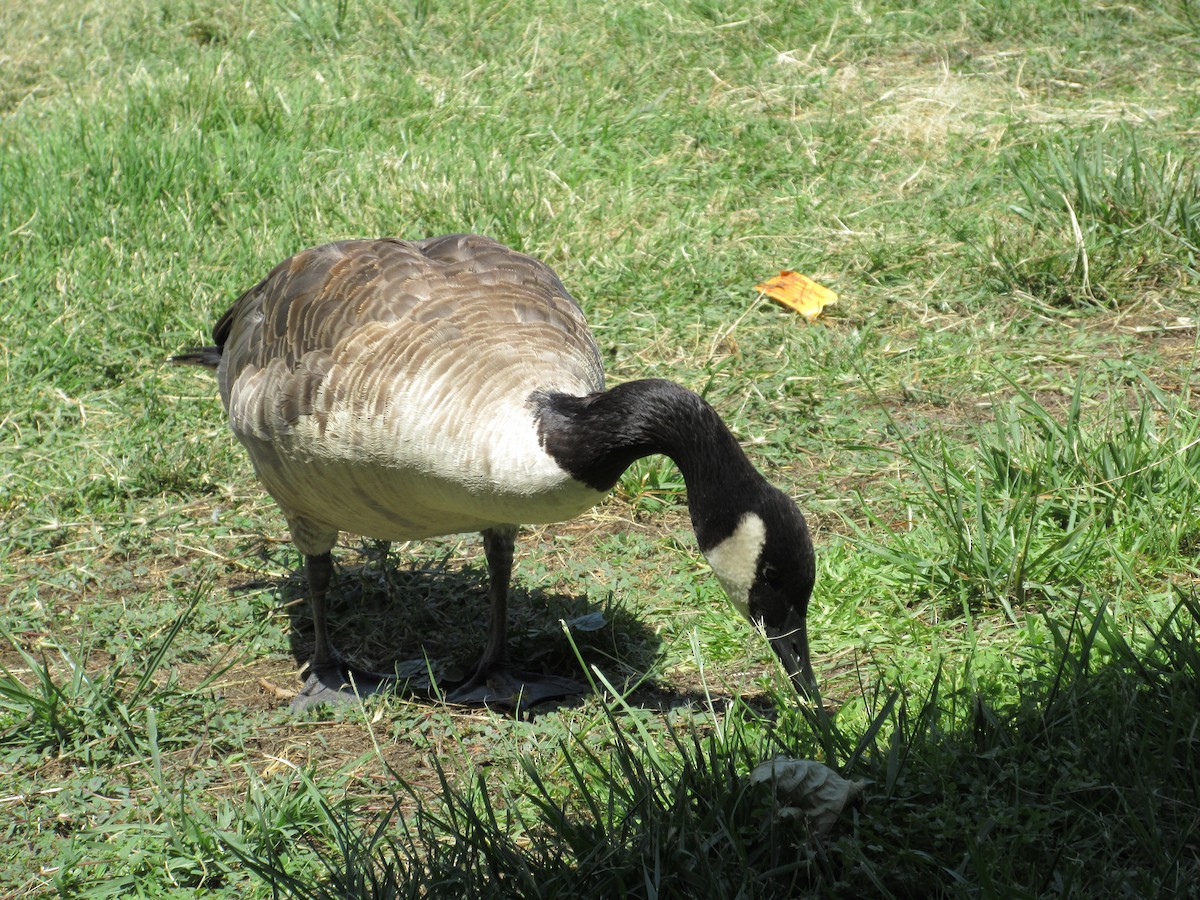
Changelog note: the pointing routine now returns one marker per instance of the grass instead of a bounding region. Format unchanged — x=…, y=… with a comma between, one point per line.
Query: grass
x=1029, y=815
x=993, y=434
x=1041, y=507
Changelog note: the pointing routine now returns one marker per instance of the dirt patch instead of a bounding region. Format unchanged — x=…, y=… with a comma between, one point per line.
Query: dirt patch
x=427, y=599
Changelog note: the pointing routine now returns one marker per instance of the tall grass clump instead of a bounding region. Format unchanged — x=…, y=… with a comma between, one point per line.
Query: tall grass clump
x=641, y=818
x=1041, y=502
x=71, y=707
x=1093, y=758
x=1101, y=215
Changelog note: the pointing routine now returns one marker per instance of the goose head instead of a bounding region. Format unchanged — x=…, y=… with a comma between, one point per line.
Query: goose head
x=752, y=534
x=763, y=556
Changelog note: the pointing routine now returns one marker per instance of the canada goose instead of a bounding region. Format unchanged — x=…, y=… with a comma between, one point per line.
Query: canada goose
x=406, y=389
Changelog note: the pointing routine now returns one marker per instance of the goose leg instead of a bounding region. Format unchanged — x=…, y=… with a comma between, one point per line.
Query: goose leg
x=329, y=679
x=498, y=546
x=492, y=681
x=319, y=571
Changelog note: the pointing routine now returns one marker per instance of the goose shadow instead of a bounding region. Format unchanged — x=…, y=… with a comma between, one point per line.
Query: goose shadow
x=425, y=620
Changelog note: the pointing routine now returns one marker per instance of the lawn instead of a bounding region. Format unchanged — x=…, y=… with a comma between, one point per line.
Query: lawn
x=994, y=433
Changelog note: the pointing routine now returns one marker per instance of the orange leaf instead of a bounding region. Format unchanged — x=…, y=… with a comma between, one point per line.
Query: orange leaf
x=798, y=292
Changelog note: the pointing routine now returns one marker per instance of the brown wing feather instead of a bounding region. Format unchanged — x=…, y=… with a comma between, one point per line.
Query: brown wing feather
x=310, y=301
x=350, y=326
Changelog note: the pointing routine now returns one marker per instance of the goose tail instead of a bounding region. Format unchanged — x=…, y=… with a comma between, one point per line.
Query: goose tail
x=209, y=357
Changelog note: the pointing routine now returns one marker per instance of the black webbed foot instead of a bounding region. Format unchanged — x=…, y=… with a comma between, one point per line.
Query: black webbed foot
x=337, y=683
x=515, y=690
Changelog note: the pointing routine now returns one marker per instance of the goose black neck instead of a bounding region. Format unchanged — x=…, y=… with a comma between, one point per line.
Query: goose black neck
x=597, y=437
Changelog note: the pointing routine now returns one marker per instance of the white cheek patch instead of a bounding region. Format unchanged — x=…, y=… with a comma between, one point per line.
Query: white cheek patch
x=735, y=560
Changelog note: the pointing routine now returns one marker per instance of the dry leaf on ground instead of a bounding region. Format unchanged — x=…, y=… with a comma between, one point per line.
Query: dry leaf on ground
x=798, y=292
x=805, y=787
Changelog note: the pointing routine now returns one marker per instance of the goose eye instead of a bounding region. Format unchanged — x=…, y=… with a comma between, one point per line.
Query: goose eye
x=769, y=572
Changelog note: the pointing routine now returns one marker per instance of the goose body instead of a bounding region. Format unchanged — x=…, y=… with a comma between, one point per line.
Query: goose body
x=406, y=389
x=382, y=387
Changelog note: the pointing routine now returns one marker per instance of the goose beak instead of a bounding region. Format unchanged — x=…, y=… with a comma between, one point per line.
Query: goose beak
x=790, y=643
